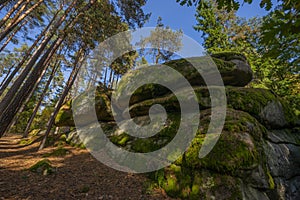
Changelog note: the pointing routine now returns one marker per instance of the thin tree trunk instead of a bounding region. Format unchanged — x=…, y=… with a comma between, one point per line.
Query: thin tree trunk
x=37, y=106
x=7, y=75
x=28, y=53
x=30, y=95
x=12, y=35
x=113, y=79
x=27, y=88
x=4, y=1
x=17, y=15
x=61, y=100
x=110, y=78
x=18, y=82
x=105, y=76
x=2, y=5
x=9, y=13
x=15, y=22
x=118, y=77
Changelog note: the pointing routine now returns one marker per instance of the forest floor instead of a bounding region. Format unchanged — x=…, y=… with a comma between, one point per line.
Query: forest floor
x=77, y=175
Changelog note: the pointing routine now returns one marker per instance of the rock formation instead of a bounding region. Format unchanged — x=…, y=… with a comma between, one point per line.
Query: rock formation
x=256, y=157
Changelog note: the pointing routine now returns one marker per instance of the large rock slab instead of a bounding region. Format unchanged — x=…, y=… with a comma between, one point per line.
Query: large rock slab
x=262, y=104
x=283, y=158
x=233, y=67
x=232, y=170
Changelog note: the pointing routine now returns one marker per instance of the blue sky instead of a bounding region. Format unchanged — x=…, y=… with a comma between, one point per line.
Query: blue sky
x=183, y=17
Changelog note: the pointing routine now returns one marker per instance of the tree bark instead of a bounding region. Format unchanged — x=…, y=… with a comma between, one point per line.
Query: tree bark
x=13, y=105
x=4, y=1
x=105, y=76
x=7, y=75
x=15, y=22
x=17, y=84
x=28, y=53
x=12, y=35
x=110, y=78
x=113, y=79
x=26, y=89
x=19, y=111
x=37, y=106
x=118, y=77
x=17, y=15
x=59, y=103
x=10, y=12
x=2, y=5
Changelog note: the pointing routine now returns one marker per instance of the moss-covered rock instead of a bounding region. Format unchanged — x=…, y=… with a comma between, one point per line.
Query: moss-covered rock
x=43, y=167
x=234, y=69
x=102, y=107
x=239, y=146
x=201, y=184
x=64, y=116
x=150, y=144
x=265, y=106
x=262, y=104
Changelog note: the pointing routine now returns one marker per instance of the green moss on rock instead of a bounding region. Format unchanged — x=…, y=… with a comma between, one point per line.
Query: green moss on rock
x=255, y=102
x=102, y=107
x=184, y=183
x=42, y=167
x=64, y=116
x=120, y=140
x=238, y=147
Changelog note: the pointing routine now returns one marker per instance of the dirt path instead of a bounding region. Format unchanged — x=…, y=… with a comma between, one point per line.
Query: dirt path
x=78, y=176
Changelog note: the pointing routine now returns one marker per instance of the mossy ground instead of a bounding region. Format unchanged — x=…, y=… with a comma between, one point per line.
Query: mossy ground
x=43, y=167
x=59, y=152
x=26, y=141
x=187, y=183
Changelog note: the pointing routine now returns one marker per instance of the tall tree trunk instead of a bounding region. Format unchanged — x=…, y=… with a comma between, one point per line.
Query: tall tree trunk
x=7, y=75
x=15, y=119
x=105, y=76
x=28, y=53
x=13, y=35
x=20, y=11
x=15, y=104
x=110, y=78
x=18, y=82
x=61, y=100
x=8, y=114
x=10, y=12
x=113, y=79
x=16, y=22
x=37, y=106
x=2, y=5
x=118, y=77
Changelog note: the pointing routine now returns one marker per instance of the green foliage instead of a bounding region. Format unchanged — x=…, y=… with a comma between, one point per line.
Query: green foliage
x=80, y=25
x=280, y=34
x=224, y=31
x=228, y=4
